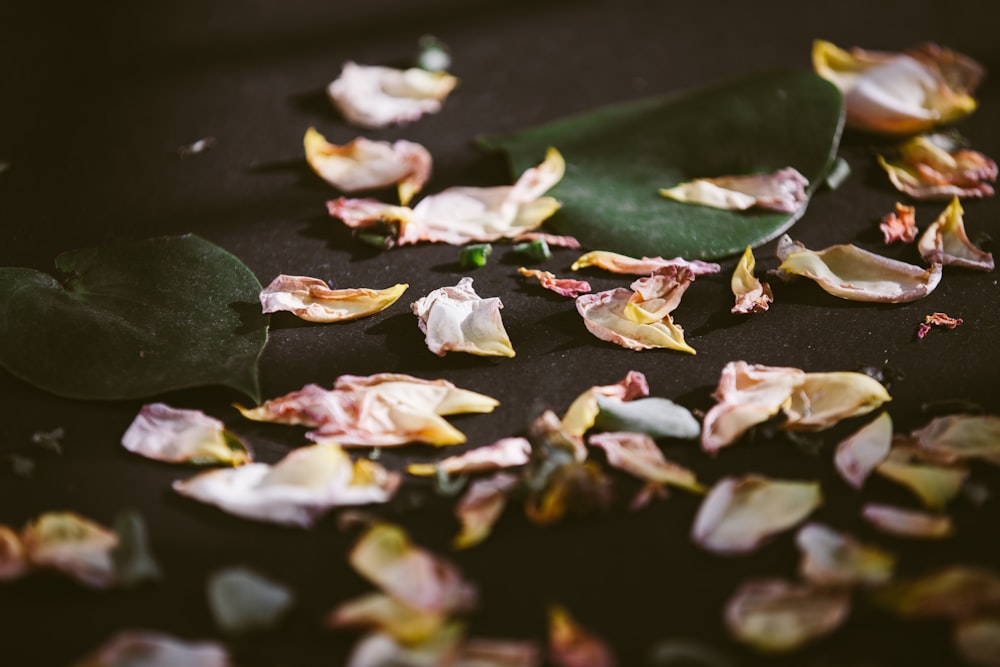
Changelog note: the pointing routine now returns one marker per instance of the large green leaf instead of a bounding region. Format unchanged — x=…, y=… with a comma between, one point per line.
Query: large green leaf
x=133, y=320
x=618, y=158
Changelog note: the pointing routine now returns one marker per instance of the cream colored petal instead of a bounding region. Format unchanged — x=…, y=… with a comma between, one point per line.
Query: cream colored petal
x=373, y=97
x=504, y=453
x=706, y=193
x=478, y=652
x=362, y=214
x=606, y=315
x=783, y=190
x=481, y=506
x=73, y=545
x=904, y=522
x=617, y=263
x=638, y=455
x=380, y=649
x=386, y=614
x=824, y=399
x=830, y=558
x=752, y=296
x=946, y=242
x=456, y=319
x=773, y=615
x=312, y=300
x=155, y=649
x=962, y=437
x=935, y=485
x=13, y=557
x=956, y=591
x=561, y=286
x=849, y=272
x=183, y=436
x=859, y=454
x=582, y=412
x=551, y=240
x=934, y=167
x=977, y=640
x=739, y=514
x=298, y=490
x=570, y=645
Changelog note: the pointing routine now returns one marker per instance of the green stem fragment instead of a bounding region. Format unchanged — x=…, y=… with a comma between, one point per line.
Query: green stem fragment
x=536, y=250
x=474, y=255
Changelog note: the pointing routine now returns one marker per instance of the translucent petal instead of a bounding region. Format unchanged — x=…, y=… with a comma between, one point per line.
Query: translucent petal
x=935, y=485
x=155, y=649
x=962, y=436
x=617, y=263
x=830, y=558
x=480, y=508
x=946, y=242
x=859, y=454
x=387, y=614
x=904, y=522
x=73, y=545
x=638, y=454
x=824, y=399
x=784, y=190
x=312, y=300
x=752, y=296
x=504, y=453
x=183, y=436
x=373, y=97
x=456, y=319
x=955, y=591
x=932, y=167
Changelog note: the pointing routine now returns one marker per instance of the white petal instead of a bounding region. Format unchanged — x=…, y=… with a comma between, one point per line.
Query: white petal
x=312, y=300
x=859, y=454
x=456, y=319
x=168, y=434
x=372, y=96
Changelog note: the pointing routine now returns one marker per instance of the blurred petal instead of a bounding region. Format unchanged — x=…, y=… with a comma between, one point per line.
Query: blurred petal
x=554, y=240
x=784, y=190
x=561, y=286
x=582, y=412
x=478, y=652
x=904, y=522
x=572, y=646
x=132, y=648
x=956, y=591
x=504, y=453
x=830, y=558
x=73, y=545
x=962, y=437
x=456, y=319
x=617, y=263
x=901, y=225
x=374, y=97
x=183, y=436
x=773, y=615
x=572, y=489
x=481, y=506
x=859, y=454
x=380, y=649
x=977, y=640
x=935, y=485
x=13, y=558
x=752, y=296
x=312, y=300
x=388, y=615
x=933, y=167
x=824, y=399
x=242, y=601
x=739, y=514
x=945, y=242
x=638, y=454
x=654, y=416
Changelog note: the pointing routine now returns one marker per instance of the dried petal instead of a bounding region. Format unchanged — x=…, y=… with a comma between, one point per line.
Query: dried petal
x=935, y=485
x=607, y=316
x=617, y=263
x=977, y=640
x=904, y=522
x=480, y=508
x=183, y=436
x=153, y=649
x=380, y=649
x=935, y=168
x=363, y=164
x=962, y=437
x=312, y=300
x=956, y=591
x=773, y=615
x=739, y=514
x=859, y=454
x=242, y=601
x=901, y=225
x=375, y=97
x=824, y=399
x=499, y=653
x=945, y=242
x=784, y=191
x=752, y=296
x=73, y=545
x=554, y=240
x=638, y=454
x=830, y=558
x=387, y=614
x=380, y=410
x=582, y=413
x=504, y=453
x=900, y=93
x=456, y=319
x=561, y=286
x=849, y=272
x=656, y=417
x=13, y=558
x=575, y=488
x=298, y=490
x=572, y=646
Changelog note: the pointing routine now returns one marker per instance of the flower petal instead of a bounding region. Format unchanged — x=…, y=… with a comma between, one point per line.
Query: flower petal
x=830, y=558
x=456, y=319
x=977, y=640
x=638, y=454
x=784, y=191
x=73, y=545
x=504, y=453
x=583, y=411
x=945, y=242
x=572, y=646
x=561, y=286
x=156, y=649
x=900, y=225
x=13, y=557
x=904, y=522
x=617, y=263
x=935, y=485
x=656, y=417
x=962, y=437
x=380, y=649
x=859, y=454
x=312, y=300
x=739, y=514
x=183, y=436
x=387, y=614
x=480, y=508
x=373, y=97
x=242, y=601
x=606, y=315
x=752, y=296
x=824, y=399
x=956, y=591
x=934, y=167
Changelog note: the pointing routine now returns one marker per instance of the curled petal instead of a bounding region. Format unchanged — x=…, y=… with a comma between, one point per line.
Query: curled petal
x=374, y=97
x=739, y=514
x=572, y=646
x=504, y=453
x=830, y=558
x=617, y=263
x=824, y=399
x=849, y=272
x=13, y=557
x=900, y=225
x=607, y=316
x=298, y=490
x=179, y=436
x=900, y=93
x=456, y=319
x=960, y=437
x=934, y=168
x=312, y=300
x=481, y=506
x=154, y=649
x=561, y=286
x=582, y=412
x=859, y=454
x=904, y=522
x=752, y=296
x=783, y=190
x=935, y=485
x=363, y=164
x=773, y=615
x=361, y=214
x=73, y=545
x=945, y=242
x=638, y=454
x=956, y=591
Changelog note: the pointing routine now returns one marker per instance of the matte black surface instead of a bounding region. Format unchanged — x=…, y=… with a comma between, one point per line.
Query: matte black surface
x=97, y=97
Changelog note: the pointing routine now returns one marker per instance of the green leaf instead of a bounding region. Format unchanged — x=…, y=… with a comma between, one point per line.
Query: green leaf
x=133, y=320
x=618, y=157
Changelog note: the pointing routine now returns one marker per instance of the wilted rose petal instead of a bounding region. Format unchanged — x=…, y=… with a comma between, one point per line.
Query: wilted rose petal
x=363, y=164
x=380, y=649
x=822, y=400
x=957, y=591
x=553, y=240
x=481, y=506
x=561, y=286
x=739, y=514
x=504, y=453
x=380, y=410
x=849, y=272
x=131, y=648
x=752, y=296
x=935, y=485
x=783, y=190
x=617, y=263
x=935, y=168
x=962, y=436
x=899, y=93
x=859, y=454
x=387, y=614
x=582, y=412
x=414, y=576
x=73, y=545
x=638, y=454
x=904, y=522
x=774, y=615
x=830, y=558
x=13, y=558
x=373, y=97
x=945, y=242
x=296, y=491
x=183, y=436
x=312, y=300
x=572, y=646
x=456, y=319
x=977, y=640
x=900, y=225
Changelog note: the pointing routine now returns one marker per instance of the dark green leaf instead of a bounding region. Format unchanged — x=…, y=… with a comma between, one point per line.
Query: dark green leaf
x=618, y=157
x=134, y=320
x=534, y=251
x=474, y=255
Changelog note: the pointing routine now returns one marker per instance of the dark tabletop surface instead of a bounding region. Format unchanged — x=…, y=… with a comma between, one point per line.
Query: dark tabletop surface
x=97, y=97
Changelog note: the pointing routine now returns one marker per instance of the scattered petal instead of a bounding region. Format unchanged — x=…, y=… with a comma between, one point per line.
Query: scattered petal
x=312, y=300
x=784, y=191
x=183, y=436
x=499, y=653
x=739, y=514
x=388, y=615
x=617, y=263
x=133, y=560
x=934, y=167
x=773, y=615
x=582, y=413
x=687, y=653
x=561, y=286
x=480, y=508
x=945, y=242
x=848, y=272
x=456, y=319
x=434, y=55
x=824, y=399
x=13, y=557
x=504, y=453
x=572, y=646
x=752, y=296
x=898, y=93
x=900, y=225
x=554, y=240
x=962, y=436
x=956, y=591
x=830, y=558
x=904, y=522
x=935, y=485
x=638, y=454
x=859, y=454
x=977, y=640
x=373, y=97
x=73, y=545
x=242, y=601
x=575, y=488
x=298, y=490
x=131, y=648
x=380, y=649
x=655, y=417
x=363, y=164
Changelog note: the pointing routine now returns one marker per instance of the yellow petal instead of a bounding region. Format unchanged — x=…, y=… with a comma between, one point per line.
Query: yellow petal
x=946, y=242
x=824, y=399
x=312, y=300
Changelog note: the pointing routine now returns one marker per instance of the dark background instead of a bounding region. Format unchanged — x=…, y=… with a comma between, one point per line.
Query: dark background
x=96, y=99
